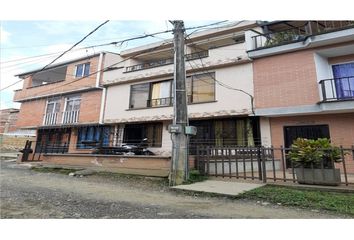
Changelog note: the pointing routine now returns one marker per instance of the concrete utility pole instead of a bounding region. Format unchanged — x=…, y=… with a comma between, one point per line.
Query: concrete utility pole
x=179, y=163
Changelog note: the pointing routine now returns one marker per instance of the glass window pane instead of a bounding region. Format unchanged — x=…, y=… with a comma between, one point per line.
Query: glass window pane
x=76, y=105
x=50, y=108
x=79, y=70
x=57, y=107
x=139, y=95
x=203, y=88
x=87, y=69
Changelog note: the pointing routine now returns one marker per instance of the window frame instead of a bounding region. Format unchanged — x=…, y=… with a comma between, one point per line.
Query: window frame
x=84, y=68
x=192, y=77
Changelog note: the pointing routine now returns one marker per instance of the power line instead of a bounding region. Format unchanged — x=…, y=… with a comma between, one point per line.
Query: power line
x=94, y=30
x=223, y=84
x=115, y=43
x=104, y=69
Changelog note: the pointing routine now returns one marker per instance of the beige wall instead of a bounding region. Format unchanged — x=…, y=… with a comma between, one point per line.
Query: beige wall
x=228, y=102
x=219, y=56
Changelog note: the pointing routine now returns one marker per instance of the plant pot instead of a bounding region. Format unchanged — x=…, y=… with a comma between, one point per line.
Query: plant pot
x=327, y=177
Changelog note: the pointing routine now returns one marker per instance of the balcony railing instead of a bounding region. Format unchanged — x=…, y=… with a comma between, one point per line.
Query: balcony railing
x=71, y=116
x=337, y=89
x=50, y=119
x=160, y=102
x=166, y=61
x=297, y=34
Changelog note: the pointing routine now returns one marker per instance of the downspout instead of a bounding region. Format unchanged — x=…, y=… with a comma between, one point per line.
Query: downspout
x=103, y=98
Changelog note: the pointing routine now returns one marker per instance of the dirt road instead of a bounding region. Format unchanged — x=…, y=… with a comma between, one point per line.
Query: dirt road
x=29, y=194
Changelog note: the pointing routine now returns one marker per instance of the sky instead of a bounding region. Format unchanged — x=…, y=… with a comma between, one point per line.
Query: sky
x=24, y=33
x=21, y=40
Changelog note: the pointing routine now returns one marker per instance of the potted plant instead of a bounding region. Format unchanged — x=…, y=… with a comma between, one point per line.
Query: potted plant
x=314, y=161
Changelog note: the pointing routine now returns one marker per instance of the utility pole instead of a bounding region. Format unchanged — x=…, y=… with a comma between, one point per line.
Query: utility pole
x=179, y=163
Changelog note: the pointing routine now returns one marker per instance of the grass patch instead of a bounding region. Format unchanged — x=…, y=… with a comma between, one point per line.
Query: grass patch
x=54, y=170
x=320, y=200
x=195, y=176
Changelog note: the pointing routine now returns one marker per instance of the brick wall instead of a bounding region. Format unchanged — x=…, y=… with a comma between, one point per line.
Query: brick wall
x=285, y=80
x=142, y=165
x=341, y=130
x=62, y=86
x=31, y=113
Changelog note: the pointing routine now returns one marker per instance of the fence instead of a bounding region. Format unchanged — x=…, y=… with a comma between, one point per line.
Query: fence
x=268, y=164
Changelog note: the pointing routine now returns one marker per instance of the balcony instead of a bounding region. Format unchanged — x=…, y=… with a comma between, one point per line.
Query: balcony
x=71, y=117
x=337, y=89
x=50, y=119
x=280, y=36
x=163, y=62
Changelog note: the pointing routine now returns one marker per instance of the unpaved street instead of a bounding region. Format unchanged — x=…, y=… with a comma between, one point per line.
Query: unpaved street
x=29, y=194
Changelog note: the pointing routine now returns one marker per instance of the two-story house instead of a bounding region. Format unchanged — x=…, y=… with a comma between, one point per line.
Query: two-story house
x=219, y=91
x=64, y=104
x=304, y=80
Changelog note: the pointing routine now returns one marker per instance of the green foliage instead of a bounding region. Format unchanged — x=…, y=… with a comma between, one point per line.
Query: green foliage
x=332, y=201
x=195, y=176
x=307, y=152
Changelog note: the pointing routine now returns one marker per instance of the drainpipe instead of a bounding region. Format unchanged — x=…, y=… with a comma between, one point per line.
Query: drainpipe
x=104, y=90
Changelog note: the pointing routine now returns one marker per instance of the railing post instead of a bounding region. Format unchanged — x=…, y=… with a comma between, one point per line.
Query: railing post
x=264, y=177
x=322, y=83
x=259, y=162
x=344, y=166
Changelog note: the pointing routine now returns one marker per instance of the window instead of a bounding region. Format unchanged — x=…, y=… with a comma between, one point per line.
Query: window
x=72, y=110
x=135, y=133
x=226, y=132
x=150, y=94
x=160, y=94
x=139, y=95
x=73, y=104
x=82, y=70
x=53, y=106
x=344, y=80
x=201, y=88
x=94, y=134
x=52, y=110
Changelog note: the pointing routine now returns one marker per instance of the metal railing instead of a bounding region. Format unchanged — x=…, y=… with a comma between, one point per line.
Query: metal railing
x=268, y=164
x=297, y=34
x=71, y=117
x=337, y=89
x=50, y=118
x=167, y=61
x=160, y=102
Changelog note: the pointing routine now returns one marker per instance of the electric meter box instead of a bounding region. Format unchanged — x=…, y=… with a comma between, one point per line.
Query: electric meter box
x=191, y=130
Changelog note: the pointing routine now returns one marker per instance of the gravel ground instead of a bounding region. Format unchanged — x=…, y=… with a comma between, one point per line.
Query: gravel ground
x=29, y=194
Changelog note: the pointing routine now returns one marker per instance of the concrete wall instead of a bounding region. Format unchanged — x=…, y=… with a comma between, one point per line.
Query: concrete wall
x=228, y=102
x=13, y=143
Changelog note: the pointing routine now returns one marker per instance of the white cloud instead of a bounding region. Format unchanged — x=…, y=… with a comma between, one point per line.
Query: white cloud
x=4, y=36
